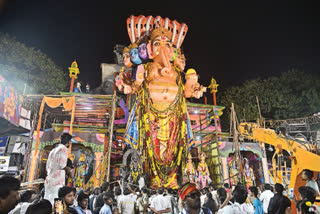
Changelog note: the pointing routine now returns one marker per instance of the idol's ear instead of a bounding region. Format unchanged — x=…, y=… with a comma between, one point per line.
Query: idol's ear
x=149, y=50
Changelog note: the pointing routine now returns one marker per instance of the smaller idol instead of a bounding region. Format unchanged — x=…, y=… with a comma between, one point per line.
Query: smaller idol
x=190, y=171
x=192, y=87
x=82, y=171
x=233, y=172
x=203, y=172
x=248, y=173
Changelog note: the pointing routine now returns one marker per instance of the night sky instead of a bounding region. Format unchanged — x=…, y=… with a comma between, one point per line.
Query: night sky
x=231, y=41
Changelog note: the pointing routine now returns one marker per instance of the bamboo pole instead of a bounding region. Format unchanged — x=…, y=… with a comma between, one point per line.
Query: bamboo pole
x=218, y=150
x=236, y=143
x=29, y=146
x=200, y=131
x=114, y=97
x=260, y=116
x=71, y=124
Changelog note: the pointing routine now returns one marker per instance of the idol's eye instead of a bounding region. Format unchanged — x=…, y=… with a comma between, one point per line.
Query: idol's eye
x=156, y=44
x=168, y=45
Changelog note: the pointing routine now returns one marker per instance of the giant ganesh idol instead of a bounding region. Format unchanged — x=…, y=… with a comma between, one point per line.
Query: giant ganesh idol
x=158, y=124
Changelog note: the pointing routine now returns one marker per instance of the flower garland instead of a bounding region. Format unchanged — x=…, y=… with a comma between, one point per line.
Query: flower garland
x=174, y=111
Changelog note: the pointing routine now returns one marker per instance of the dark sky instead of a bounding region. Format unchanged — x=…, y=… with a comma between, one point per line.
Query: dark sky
x=229, y=40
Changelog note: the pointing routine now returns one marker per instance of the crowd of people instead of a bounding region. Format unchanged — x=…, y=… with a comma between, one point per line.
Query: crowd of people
x=118, y=197
x=115, y=198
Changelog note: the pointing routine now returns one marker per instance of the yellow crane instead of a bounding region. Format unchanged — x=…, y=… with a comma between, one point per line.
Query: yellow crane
x=299, y=156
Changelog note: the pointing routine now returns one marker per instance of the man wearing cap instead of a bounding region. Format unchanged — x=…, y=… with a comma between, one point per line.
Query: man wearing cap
x=56, y=168
x=190, y=197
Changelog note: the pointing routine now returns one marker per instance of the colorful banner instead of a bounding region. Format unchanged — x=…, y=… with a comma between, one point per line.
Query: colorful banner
x=3, y=143
x=10, y=102
x=228, y=147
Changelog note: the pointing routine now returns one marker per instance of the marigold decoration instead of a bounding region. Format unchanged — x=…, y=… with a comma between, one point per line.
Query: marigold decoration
x=158, y=121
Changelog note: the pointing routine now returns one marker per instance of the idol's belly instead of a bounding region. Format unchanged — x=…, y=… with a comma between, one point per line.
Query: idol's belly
x=163, y=91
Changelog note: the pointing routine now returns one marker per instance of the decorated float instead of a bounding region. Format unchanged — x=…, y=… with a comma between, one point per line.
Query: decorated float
x=159, y=126
x=146, y=126
x=88, y=117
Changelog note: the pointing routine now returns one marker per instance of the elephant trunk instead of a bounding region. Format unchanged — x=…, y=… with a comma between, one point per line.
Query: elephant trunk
x=164, y=55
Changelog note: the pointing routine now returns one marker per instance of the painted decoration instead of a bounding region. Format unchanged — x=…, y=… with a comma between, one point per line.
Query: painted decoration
x=10, y=102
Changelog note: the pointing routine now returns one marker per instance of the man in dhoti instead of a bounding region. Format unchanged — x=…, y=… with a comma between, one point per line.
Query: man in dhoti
x=57, y=167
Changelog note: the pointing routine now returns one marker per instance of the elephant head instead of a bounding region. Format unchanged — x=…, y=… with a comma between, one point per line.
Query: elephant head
x=160, y=47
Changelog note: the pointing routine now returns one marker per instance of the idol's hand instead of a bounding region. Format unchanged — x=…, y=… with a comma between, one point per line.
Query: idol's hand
x=139, y=75
x=127, y=89
x=203, y=89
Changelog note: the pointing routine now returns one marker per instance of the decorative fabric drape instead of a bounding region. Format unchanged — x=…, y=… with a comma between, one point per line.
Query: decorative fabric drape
x=68, y=104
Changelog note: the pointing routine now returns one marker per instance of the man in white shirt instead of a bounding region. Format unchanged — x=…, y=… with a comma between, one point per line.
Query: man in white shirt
x=153, y=194
x=160, y=203
x=203, y=196
x=143, y=201
x=26, y=198
x=169, y=197
x=56, y=168
x=141, y=182
x=307, y=176
x=126, y=202
x=265, y=197
x=239, y=206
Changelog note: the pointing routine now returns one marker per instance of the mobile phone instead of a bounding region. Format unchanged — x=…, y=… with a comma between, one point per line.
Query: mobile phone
x=58, y=206
x=291, y=193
